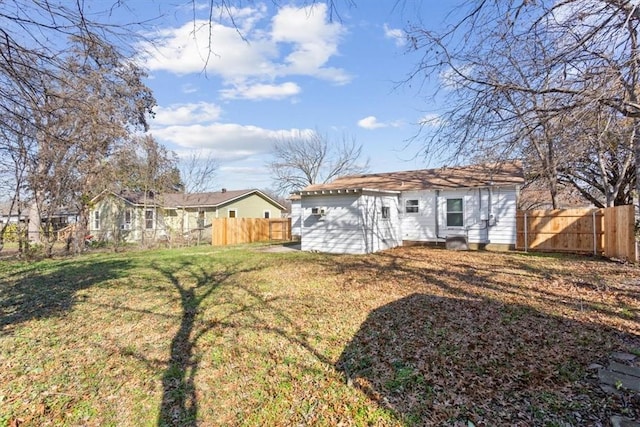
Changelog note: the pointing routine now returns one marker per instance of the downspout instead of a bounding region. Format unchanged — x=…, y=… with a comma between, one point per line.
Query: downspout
x=485, y=238
x=489, y=209
x=437, y=217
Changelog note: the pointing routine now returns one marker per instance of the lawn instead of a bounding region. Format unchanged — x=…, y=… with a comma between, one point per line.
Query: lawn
x=411, y=336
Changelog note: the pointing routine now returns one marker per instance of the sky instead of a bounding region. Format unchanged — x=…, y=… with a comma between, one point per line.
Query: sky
x=234, y=88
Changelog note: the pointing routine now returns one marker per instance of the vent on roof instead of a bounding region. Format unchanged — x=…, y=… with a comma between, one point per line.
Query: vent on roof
x=224, y=190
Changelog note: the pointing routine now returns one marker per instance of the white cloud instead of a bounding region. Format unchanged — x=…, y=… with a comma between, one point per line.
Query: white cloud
x=182, y=114
x=451, y=79
x=396, y=34
x=371, y=122
x=315, y=40
x=251, y=53
x=262, y=91
x=431, y=119
x=225, y=141
x=189, y=88
x=203, y=46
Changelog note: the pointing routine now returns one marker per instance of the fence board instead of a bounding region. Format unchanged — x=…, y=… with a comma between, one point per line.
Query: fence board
x=619, y=233
x=234, y=231
x=608, y=232
x=561, y=230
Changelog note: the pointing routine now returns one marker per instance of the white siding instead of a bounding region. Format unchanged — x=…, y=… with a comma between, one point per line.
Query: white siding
x=504, y=210
x=338, y=231
x=418, y=226
x=475, y=203
x=379, y=233
x=488, y=218
x=353, y=223
x=296, y=218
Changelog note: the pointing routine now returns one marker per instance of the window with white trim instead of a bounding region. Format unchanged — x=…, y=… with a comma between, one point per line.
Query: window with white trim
x=267, y=214
x=455, y=213
x=148, y=219
x=96, y=220
x=201, y=218
x=126, y=223
x=232, y=213
x=411, y=206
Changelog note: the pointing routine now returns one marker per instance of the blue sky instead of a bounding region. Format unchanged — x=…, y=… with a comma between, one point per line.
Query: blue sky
x=280, y=72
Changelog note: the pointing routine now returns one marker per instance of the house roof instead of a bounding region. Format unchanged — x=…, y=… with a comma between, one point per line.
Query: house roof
x=480, y=175
x=5, y=207
x=141, y=198
x=211, y=199
x=192, y=200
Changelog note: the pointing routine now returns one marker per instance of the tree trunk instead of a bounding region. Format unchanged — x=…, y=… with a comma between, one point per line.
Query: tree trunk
x=34, y=222
x=636, y=152
x=82, y=227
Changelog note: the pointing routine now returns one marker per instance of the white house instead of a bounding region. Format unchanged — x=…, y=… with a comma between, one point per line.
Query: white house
x=357, y=214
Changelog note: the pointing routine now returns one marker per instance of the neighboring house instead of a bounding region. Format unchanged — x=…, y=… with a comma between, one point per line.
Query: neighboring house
x=368, y=213
x=9, y=213
x=58, y=220
x=134, y=217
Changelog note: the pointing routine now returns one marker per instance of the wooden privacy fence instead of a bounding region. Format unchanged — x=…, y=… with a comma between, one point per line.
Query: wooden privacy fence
x=609, y=232
x=233, y=231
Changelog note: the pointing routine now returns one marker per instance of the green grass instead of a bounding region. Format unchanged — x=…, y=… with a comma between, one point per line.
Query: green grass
x=239, y=336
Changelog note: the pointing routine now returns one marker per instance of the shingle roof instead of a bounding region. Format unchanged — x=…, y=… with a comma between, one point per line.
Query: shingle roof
x=202, y=199
x=448, y=177
x=181, y=200
x=138, y=197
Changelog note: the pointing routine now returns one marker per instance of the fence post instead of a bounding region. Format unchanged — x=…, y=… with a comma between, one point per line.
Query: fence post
x=595, y=240
x=526, y=234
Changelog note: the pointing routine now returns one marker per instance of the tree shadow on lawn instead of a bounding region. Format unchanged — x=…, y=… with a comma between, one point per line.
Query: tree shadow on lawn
x=448, y=352
x=441, y=361
x=194, y=285
x=33, y=294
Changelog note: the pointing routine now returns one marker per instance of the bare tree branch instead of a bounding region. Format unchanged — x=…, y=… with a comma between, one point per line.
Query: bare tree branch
x=313, y=158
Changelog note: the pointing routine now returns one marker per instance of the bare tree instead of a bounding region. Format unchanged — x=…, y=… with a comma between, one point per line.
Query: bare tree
x=313, y=158
x=142, y=164
x=577, y=55
x=198, y=171
x=13, y=176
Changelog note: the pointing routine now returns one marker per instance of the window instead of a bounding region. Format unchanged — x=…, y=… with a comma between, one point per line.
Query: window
x=233, y=213
x=267, y=214
x=126, y=224
x=386, y=212
x=201, y=219
x=96, y=220
x=148, y=219
x=411, y=206
x=455, y=215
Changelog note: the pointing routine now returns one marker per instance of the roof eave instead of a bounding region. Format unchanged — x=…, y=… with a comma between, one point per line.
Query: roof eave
x=343, y=191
